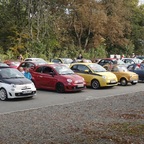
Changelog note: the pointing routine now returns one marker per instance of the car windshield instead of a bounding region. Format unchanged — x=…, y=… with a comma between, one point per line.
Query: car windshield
x=122, y=69
x=97, y=68
x=8, y=73
x=63, y=70
x=120, y=62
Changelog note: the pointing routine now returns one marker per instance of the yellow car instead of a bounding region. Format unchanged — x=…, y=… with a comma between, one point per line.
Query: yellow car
x=124, y=75
x=95, y=75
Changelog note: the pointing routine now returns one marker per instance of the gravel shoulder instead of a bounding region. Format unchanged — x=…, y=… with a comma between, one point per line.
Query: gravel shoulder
x=111, y=120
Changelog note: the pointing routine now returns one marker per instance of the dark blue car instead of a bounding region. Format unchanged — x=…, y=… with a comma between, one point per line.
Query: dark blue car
x=138, y=69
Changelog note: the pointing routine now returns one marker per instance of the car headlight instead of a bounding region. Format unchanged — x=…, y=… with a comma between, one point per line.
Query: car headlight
x=104, y=77
x=69, y=80
x=13, y=86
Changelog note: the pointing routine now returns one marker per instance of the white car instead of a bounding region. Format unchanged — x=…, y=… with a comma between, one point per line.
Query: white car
x=131, y=60
x=36, y=60
x=13, y=84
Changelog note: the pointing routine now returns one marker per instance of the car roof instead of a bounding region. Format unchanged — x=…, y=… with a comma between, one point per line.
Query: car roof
x=35, y=62
x=82, y=63
x=108, y=59
x=51, y=64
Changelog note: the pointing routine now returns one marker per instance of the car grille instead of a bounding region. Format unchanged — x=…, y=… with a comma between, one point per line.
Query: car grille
x=25, y=94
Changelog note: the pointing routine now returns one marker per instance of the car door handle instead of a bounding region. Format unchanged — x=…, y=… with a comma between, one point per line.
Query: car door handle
x=40, y=76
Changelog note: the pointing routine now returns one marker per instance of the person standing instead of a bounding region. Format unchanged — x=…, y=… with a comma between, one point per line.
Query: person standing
x=21, y=70
x=80, y=56
x=133, y=55
x=122, y=56
x=27, y=74
x=20, y=58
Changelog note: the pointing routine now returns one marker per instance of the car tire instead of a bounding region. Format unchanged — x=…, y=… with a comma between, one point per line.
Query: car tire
x=95, y=84
x=60, y=87
x=123, y=82
x=3, y=94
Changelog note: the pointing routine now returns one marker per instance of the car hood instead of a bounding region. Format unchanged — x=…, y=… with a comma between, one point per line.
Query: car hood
x=131, y=73
x=17, y=81
x=73, y=77
x=107, y=74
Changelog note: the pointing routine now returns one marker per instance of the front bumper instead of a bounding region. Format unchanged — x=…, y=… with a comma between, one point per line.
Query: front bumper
x=75, y=87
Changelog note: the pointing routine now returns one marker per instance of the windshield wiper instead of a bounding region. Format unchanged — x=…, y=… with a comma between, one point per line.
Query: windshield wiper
x=16, y=77
x=6, y=77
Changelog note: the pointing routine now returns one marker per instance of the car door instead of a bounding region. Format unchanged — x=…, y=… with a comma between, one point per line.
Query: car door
x=140, y=71
x=49, y=78
x=83, y=71
x=37, y=77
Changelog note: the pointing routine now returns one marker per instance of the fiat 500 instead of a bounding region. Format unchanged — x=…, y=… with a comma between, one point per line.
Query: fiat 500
x=13, y=84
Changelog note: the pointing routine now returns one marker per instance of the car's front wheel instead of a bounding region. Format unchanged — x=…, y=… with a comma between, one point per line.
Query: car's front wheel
x=95, y=84
x=60, y=87
x=3, y=94
x=123, y=82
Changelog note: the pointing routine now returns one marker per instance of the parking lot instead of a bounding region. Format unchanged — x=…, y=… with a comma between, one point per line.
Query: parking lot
x=46, y=98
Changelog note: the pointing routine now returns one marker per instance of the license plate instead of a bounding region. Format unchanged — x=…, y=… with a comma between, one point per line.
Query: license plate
x=26, y=92
x=135, y=81
x=80, y=85
x=112, y=81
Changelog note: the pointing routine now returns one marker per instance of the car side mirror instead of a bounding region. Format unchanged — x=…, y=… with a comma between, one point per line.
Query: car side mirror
x=87, y=71
x=52, y=73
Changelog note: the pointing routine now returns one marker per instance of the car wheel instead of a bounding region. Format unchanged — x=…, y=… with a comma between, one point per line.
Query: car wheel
x=60, y=87
x=123, y=82
x=3, y=94
x=95, y=84
x=133, y=83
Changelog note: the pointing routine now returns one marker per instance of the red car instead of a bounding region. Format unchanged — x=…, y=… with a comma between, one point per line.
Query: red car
x=12, y=63
x=30, y=64
x=57, y=77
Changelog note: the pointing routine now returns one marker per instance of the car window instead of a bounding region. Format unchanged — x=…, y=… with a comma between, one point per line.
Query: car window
x=47, y=70
x=142, y=66
x=28, y=59
x=130, y=61
x=63, y=70
x=67, y=60
x=130, y=67
x=83, y=68
x=56, y=61
x=120, y=62
x=29, y=65
x=103, y=62
x=39, y=69
x=74, y=68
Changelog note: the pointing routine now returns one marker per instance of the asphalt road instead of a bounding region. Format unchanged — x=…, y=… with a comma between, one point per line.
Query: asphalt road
x=50, y=98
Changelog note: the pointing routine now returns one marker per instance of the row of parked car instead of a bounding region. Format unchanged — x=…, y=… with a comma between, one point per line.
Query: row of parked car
x=62, y=77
